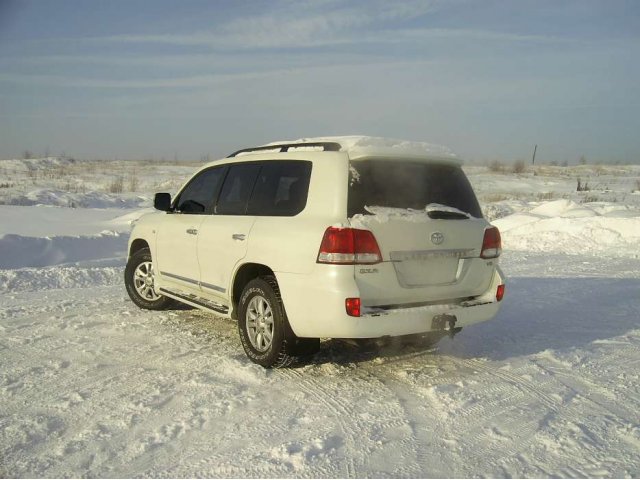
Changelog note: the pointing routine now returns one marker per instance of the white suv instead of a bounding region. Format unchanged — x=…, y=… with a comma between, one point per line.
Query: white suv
x=322, y=238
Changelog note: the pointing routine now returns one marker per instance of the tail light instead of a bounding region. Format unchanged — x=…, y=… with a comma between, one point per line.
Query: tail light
x=348, y=246
x=491, y=243
x=500, y=292
x=353, y=307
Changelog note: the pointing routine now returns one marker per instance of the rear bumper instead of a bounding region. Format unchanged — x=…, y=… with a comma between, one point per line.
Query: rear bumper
x=407, y=321
x=315, y=306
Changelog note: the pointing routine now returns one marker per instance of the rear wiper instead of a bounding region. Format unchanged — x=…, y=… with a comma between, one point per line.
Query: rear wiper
x=446, y=215
x=445, y=212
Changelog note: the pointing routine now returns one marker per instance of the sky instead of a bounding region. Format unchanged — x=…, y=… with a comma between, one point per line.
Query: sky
x=188, y=78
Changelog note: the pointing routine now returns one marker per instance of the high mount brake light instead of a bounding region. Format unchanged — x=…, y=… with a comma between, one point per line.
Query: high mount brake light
x=491, y=243
x=348, y=246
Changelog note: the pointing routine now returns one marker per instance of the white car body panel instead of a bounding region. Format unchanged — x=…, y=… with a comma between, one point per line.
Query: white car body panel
x=176, y=257
x=222, y=244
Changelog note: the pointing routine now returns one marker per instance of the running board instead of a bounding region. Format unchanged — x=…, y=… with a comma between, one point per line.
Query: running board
x=196, y=301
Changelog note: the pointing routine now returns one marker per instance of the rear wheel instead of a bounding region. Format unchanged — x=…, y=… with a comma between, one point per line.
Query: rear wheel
x=139, y=278
x=264, y=330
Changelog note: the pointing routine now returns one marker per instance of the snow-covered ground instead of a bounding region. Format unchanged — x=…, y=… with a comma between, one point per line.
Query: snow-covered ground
x=92, y=386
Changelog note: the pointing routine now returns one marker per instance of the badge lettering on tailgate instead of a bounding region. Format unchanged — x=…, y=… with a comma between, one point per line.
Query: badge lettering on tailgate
x=368, y=270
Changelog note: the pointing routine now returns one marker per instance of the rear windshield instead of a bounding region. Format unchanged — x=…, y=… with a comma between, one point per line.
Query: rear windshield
x=402, y=184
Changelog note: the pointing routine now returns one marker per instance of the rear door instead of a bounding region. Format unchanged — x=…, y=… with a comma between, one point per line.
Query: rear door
x=267, y=192
x=429, y=228
x=224, y=236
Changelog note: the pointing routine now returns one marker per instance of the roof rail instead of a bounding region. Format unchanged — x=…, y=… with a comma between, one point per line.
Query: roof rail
x=284, y=147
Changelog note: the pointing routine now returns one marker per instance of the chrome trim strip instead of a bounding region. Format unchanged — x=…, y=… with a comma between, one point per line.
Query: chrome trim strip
x=195, y=282
x=429, y=254
x=213, y=287
x=178, y=277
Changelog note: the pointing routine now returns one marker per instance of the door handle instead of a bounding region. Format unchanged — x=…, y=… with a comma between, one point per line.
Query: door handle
x=192, y=231
x=238, y=236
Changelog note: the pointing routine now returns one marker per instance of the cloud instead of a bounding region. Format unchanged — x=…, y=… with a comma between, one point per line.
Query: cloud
x=321, y=31
x=291, y=25
x=75, y=82
x=473, y=35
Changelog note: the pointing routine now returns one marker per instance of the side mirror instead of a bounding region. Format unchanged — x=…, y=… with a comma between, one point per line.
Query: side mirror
x=162, y=202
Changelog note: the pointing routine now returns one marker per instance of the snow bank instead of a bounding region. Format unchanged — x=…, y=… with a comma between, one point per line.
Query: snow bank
x=45, y=236
x=35, y=279
x=19, y=251
x=44, y=221
x=61, y=198
x=563, y=226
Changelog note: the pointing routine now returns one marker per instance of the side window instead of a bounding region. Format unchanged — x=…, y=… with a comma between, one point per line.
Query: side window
x=237, y=189
x=198, y=195
x=281, y=189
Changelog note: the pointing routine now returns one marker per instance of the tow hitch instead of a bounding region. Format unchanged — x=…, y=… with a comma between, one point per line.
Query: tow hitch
x=445, y=322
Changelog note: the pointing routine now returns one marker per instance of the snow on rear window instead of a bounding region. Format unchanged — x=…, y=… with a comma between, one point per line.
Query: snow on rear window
x=409, y=185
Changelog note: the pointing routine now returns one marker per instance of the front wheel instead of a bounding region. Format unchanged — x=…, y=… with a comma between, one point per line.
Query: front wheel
x=264, y=330
x=139, y=278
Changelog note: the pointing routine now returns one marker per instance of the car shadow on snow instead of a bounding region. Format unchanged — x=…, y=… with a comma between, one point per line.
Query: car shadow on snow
x=347, y=352
x=541, y=314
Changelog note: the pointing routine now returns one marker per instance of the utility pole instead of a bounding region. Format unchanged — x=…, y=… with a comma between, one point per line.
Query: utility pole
x=533, y=161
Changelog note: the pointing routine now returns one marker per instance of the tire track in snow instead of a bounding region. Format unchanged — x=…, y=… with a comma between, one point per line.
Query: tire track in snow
x=428, y=427
x=82, y=377
x=406, y=410
x=558, y=426
x=522, y=430
x=424, y=434
x=458, y=434
x=435, y=439
x=337, y=409
x=593, y=392
x=517, y=381
x=336, y=395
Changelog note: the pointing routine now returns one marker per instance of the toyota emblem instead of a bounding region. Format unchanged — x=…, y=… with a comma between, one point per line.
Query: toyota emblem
x=437, y=238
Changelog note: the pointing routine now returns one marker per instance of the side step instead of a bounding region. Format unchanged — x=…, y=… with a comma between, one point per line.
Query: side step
x=196, y=301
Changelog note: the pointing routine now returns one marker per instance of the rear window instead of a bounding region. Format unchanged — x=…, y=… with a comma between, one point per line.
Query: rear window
x=401, y=184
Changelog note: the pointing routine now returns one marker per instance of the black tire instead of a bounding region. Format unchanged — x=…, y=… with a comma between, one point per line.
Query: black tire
x=139, y=258
x=281, y=352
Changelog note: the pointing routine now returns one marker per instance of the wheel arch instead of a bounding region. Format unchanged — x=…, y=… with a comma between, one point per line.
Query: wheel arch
x=137, y=245
x=244, y=274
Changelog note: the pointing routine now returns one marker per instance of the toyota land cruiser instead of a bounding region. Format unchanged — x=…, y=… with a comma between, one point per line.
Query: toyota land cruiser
x=334, y=237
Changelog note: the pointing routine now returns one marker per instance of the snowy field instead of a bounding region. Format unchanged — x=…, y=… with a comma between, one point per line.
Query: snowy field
x=91, y=386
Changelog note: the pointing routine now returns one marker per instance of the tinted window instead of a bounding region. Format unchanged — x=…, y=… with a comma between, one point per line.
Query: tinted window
x=399, y=184
x=199, y=194
x=281, y=189
x=236, y=189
